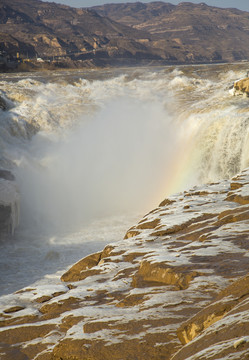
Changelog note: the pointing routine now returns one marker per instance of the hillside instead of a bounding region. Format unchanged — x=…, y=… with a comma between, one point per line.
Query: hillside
x=36, y=28
x=128, y=33
x=188, y=32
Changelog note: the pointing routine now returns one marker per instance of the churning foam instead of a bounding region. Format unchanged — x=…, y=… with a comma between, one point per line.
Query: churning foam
x=122, y=143
x=113, y=162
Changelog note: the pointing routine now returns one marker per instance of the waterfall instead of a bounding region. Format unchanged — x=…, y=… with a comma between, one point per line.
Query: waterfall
x=87, y=144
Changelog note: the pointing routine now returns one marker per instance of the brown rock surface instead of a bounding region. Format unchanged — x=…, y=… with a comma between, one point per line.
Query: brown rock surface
x=186, y=32
x=128, y=33
x=222, y=327
x=63, y=33
x=175, y=287
x=242, y=87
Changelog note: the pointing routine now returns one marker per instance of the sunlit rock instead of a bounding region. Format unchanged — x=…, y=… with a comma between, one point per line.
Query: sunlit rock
x=241, y=87
x=175, y=288
x=222, y=327
x=158, y=273
x=82, y=269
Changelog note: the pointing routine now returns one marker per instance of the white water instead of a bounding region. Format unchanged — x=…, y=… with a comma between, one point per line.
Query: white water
x=106, y=165
x=111, y=145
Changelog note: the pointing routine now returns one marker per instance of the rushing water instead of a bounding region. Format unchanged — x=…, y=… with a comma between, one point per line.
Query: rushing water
x=94, y=150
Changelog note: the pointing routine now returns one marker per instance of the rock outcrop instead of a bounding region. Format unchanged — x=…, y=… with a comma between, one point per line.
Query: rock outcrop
x=223, y=327
x=241, y=87
x=175, y=288
x=3, y=104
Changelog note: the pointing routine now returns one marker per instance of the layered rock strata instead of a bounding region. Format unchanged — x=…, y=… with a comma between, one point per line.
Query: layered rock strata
x=121, y=34
x=186, y=32
x=59, y=33
x=168, y=290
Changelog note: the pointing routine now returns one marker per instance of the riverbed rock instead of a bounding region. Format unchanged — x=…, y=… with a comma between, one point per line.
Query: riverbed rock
x=3, y=104
x=176, y=287
x=241, y=87
x=221, y=329
x=6, y=175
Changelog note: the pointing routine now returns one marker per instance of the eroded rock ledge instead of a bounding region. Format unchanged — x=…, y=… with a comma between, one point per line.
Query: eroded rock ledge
x=241, y=87
x=177, y=287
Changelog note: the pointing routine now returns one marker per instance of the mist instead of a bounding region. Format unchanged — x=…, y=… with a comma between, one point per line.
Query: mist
x=115, y=161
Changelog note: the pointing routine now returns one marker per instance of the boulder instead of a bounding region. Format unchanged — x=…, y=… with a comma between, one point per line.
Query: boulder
x=6, y=175
x=241, y=87
x=3, y=104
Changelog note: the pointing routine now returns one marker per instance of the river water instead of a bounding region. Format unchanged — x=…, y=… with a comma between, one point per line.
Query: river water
x=94, y=150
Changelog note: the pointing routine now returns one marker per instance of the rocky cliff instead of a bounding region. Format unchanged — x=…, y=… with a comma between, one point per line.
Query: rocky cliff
x=129, y=33
x=49, y=30
x=187, y=32
x=176, y=287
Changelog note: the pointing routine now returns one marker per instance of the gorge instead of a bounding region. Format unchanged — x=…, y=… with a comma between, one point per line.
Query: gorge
x=168, y=285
